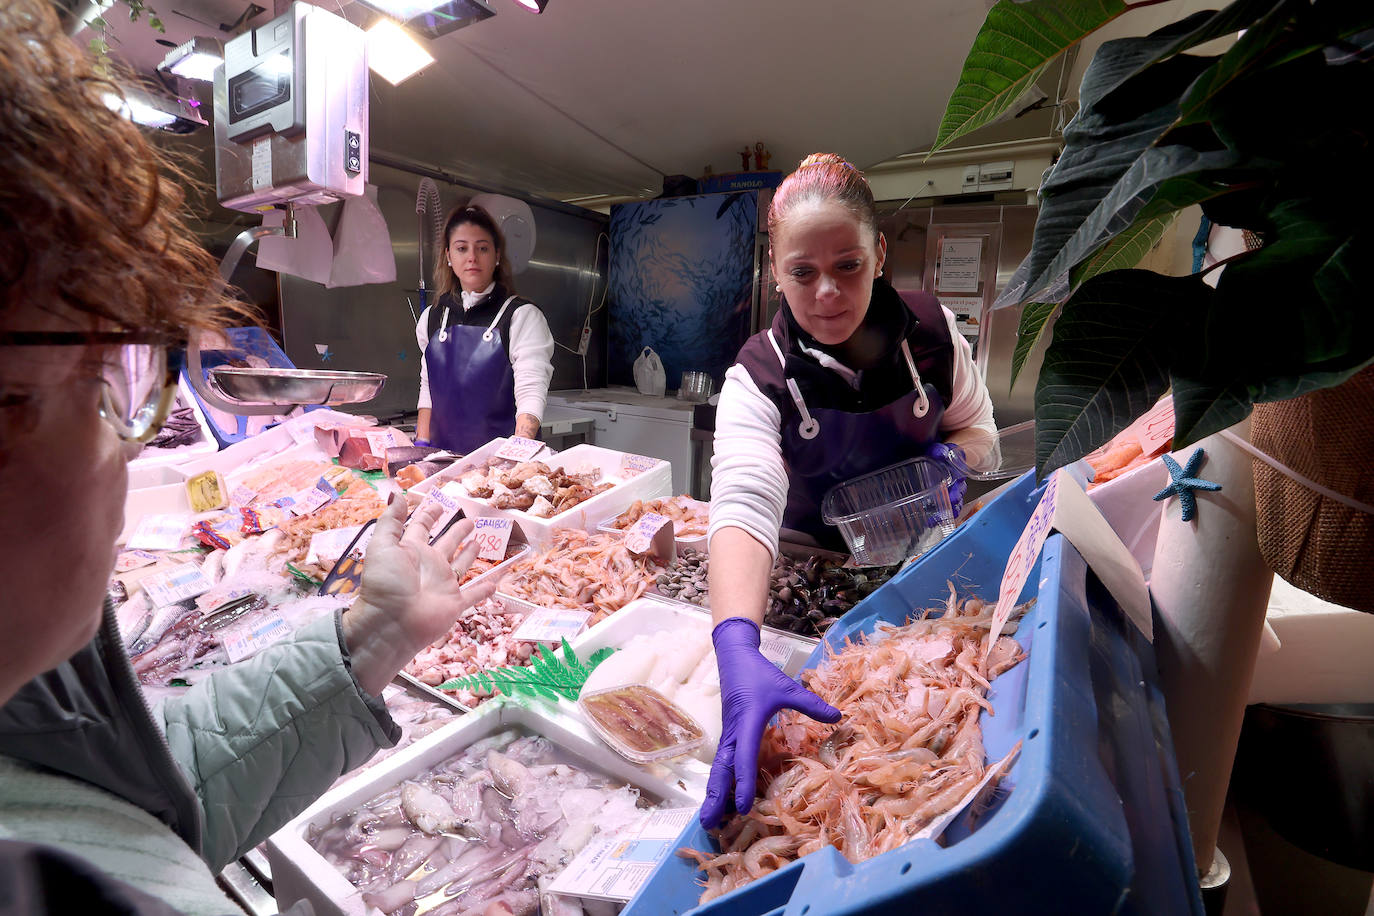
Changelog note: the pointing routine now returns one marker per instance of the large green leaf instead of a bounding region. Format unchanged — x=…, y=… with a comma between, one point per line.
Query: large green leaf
x=1109, y=360
x=1162, y=179
x=1014, y=46
x=1126, y=249
x=1034, y=325
x=1101, y=145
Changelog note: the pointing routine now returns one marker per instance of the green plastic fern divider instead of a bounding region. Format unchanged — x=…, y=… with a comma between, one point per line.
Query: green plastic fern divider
x=548, y=675
x=1017, y=42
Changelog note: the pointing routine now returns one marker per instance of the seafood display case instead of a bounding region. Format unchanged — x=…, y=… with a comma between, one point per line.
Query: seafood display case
x=1091, y=814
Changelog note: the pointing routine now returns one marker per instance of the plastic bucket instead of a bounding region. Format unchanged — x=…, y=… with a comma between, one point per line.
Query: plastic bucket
x=894, y=513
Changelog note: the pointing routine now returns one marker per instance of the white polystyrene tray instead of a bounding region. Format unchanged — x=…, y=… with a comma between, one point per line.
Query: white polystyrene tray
x=654, y=483
x=649, y=614
x=698, y=542
x=299, y=872
x=1127, y=505
x=155, y=467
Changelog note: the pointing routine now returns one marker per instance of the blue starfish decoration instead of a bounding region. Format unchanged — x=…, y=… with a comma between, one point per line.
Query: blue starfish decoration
x=1184, y=481
x=327, y=355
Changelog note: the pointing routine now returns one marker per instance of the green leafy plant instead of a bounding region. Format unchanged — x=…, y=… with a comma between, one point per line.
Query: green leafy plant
x=548, y=675
x=1272, y=136
x=99, y=46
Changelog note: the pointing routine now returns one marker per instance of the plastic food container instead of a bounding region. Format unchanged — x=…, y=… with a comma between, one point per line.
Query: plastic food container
x=641, y=724
x=894, y=513
x=1094, y=821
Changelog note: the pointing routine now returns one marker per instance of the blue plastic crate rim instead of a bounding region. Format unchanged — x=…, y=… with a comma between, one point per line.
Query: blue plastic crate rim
x=1094, y=819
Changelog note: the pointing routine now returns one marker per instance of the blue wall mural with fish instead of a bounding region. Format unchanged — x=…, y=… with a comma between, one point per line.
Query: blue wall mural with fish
x=681, y=280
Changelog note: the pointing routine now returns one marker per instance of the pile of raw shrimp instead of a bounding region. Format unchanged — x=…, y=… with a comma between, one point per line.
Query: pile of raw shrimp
x=908, y=749
x=581, y=571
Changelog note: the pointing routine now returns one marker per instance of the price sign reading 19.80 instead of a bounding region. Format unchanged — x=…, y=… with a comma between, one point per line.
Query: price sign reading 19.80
x=492, y=535
x=517, y=448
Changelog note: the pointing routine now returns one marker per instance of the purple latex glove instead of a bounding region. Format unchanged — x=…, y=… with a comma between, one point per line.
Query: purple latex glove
x=423, y=443
x=952, y=457
x=752, y=691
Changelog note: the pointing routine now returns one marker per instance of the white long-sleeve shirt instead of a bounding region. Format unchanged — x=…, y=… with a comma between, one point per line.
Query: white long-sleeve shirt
x=748, y=475
x=531, y=355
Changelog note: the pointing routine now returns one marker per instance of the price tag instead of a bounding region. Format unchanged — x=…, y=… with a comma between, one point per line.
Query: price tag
x=133, y=559
x=492, y=536
x=615, y=865
x=327, y=547
x=247, y=639
x=307, y=501
x=518, y=448
x=634, y=465
x=176, y=584
x=379, y=440
x=392, y=692
x=444, y=496
x=777, y=650
x=1155, y=430
x=551, y=625
x=242, y=496
x=160, y=532
x=1022, y=560
x=652, y=532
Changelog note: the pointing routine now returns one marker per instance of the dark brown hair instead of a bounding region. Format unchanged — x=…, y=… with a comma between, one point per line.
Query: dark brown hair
x=824, y=177
x=89, y=217
x=444, y=279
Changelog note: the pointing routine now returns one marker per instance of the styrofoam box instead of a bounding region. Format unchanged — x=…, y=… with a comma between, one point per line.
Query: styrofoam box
x=1127, y=505
x=651, y=613
x=698, y=542
x=654, y=483
x=301, y=873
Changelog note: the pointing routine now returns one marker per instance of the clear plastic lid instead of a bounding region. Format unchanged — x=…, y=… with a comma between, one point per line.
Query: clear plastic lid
x=641, y=724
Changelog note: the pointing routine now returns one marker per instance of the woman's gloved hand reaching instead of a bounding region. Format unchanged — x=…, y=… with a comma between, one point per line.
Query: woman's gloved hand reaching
x=752, y=691
x=952, y=457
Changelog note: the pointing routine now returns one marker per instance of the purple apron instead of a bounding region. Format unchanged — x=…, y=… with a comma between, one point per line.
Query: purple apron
x=471, y=384
x=825, y=447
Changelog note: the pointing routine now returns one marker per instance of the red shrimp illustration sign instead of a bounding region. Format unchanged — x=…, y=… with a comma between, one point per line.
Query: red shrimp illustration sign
x=1022, y=560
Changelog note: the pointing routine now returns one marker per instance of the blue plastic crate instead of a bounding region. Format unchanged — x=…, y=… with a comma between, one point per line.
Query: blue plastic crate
x=1094, y=821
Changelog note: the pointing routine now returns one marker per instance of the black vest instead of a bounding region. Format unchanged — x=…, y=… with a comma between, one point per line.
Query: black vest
x=924, y=326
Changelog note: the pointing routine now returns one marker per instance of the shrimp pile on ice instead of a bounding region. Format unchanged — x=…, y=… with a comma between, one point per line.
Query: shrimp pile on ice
x=584, y=572
x=480, y=639
x=357, y=505
x=690, y=519
x=532, y=486
x=908, y=748
x=482, y=833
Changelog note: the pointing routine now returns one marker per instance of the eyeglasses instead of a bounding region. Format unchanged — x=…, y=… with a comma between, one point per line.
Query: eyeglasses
x=139, y=378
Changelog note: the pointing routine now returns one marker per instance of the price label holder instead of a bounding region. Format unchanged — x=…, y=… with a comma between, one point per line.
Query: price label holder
x=317, y=497
x=492, y=534
x=179, y=583
x=1065, y=508
x=634, y=465
x=133, y=559
x=653, y=533
x=446, y=497
x=518, y=448
x=160, y=532
x=379, y=440
x=615, y=865
x=247, y=639
x=776, y=649
x=242, y=496
x=552, y=625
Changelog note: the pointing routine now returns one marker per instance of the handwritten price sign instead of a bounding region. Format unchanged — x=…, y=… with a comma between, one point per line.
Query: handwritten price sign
x=492, y=535
x=518, y=448
x=1023, y=557
x=633, y=465
x=652, y=531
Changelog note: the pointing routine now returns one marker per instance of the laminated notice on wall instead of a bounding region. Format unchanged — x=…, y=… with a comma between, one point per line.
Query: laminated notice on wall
x=961, y=265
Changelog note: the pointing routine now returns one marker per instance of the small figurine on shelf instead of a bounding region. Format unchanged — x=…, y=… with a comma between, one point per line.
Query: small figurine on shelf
x=761, y=157
x=744, y=159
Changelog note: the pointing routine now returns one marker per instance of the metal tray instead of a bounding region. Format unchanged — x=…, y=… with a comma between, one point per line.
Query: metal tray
x=296, y=386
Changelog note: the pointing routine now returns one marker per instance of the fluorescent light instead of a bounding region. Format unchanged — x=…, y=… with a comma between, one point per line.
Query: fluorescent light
x=151, y=111
x=194, y=60
x=393, y=54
